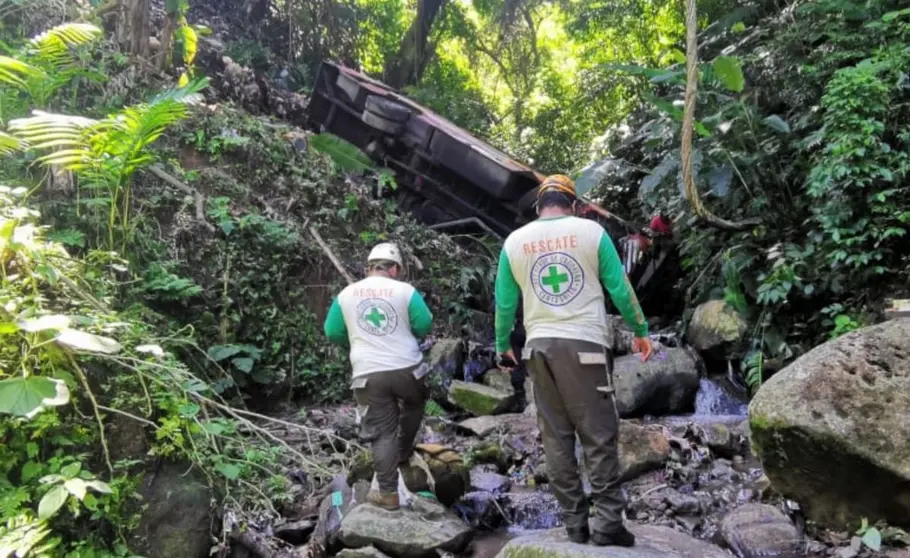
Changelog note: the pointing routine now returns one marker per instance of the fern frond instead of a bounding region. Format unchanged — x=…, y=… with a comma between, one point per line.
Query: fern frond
x=72, y=138
x=15, y=72
x=9, y=144
x=53, y=46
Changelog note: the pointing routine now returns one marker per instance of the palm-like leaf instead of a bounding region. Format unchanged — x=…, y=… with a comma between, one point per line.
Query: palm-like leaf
x=53, y=46
x=114, y=145
x=9, y=144
x=15, y=72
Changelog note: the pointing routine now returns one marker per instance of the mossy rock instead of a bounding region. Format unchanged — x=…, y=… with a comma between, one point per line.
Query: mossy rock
x=714, y=324
x=831, y=428
x=478, y=399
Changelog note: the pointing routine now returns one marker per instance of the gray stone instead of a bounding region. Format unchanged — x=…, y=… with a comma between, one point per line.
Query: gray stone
x=484, y=425
x=296, y=532
x=667, y=383
x=178, y=520
x=486, y=481
x=835, y=415
x=478, y=399
x=405, y=533
x=365, y=552
x=755, y=530
x=651, y=542
x=446, y=361
x=498, y=379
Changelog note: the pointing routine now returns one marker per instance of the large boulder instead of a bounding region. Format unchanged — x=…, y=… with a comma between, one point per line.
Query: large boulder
x=756, y=530
x=667, y=383
x=178, y=520
x=406, y=533
x=714, y=324
x=832, y=429
x=651, y=542
x=478, y=399
x=641, y=449
x=446, y=362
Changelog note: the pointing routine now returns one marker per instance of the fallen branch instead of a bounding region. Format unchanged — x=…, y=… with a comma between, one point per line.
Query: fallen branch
x=173, y=181
x=331, y=255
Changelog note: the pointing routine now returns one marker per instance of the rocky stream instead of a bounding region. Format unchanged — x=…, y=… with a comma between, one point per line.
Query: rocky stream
x=479, y=476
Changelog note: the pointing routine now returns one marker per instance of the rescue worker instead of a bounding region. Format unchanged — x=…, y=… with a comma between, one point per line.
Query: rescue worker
x=556, y=265
x=381, y=319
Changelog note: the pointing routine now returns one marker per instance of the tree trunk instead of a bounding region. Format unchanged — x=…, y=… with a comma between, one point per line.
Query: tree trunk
x=407, y=67
x=133, y=29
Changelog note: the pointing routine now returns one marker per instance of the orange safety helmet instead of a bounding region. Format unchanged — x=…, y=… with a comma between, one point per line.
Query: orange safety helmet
x=557, y=183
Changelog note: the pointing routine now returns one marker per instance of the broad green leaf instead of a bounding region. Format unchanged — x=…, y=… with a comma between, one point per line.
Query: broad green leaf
x=26, y=397
x=8, y=328
x=345, y=154
x=243, y=364
x=51, y=502
x=29, y=471
x=90, y=342
x=189, y=41
x=891, y=16
x=189, y=410
x=155, y=350
x=76, y=487
x=729, y=71
x=872, y=538
x=221, y=352
x=99, y=486
x=71, y=470
x=229, y=470
x=775, y=122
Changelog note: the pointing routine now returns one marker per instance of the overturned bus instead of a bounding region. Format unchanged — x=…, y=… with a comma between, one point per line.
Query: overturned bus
x=457, y=183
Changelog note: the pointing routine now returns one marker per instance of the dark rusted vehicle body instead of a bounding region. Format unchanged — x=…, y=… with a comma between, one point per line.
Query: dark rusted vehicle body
x=447, y=178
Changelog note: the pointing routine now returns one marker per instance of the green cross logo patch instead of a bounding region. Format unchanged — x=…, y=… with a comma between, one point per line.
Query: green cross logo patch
x=377, y=317
x=557, y=278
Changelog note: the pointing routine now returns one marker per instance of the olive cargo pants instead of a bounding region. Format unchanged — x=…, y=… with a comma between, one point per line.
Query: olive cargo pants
x=567, y=374
x=392, y=405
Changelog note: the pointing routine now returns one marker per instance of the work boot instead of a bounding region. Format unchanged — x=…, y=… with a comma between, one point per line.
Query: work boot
x=615, y=536
x=578, y=535
x=384, y=500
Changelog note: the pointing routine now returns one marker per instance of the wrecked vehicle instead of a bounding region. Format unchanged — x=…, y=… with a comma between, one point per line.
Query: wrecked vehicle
x=457, y=183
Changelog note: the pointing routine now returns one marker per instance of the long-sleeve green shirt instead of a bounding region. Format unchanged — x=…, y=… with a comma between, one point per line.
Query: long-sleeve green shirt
x=554, y=255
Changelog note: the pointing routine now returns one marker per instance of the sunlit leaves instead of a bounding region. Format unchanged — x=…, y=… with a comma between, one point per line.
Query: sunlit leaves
x=53, y=46
x=346, y=155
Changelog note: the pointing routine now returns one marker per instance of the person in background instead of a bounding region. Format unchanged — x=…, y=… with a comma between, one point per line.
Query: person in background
x=381, y=318
x=559, y=266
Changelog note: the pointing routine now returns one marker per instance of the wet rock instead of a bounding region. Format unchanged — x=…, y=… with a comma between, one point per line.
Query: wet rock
x=478, y=399
x=449, y=472
x=651, y=542
x=296, y=532
x=667, y=383
x=405, y=533
x=725, y=440
x=446, y=362
x=837, y=414
x=482, y=426
x=365, y=552
x=481, y=510
x=755, y=530
x=682, y=504
x=178, y=519
x=713, y=324
x=533, y=510
x=488, y=481
x=498, y=379
x=641, y=448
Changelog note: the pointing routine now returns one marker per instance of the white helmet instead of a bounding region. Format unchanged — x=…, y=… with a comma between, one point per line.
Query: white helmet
x=386, y=252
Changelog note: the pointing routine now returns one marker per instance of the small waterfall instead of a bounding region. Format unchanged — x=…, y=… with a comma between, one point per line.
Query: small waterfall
x=716, y=398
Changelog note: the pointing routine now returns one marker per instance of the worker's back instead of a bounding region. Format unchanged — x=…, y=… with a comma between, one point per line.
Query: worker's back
x=376, y=314
x=555, y=262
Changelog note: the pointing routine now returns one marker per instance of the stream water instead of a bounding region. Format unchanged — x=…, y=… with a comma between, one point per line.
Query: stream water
x=718, y=400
